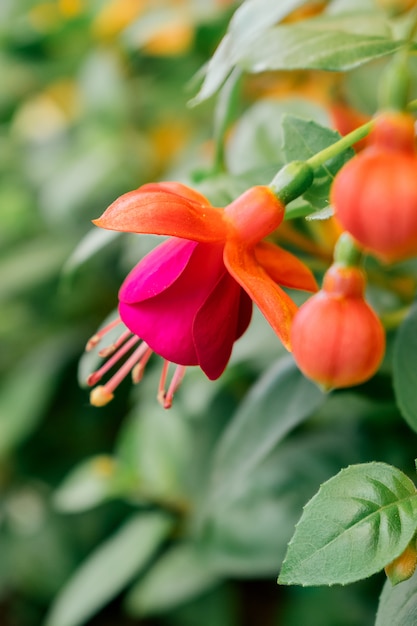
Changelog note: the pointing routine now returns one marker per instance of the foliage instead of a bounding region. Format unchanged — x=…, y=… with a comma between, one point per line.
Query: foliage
x=129, y=513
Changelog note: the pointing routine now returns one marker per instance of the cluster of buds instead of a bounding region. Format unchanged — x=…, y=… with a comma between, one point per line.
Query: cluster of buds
x=337, y=339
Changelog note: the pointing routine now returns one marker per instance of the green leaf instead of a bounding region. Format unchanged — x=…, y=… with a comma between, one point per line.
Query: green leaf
x=92, y=482
x=241, y=531
x=108, y=570
x=94, y=241
x=303, y=139
x=280, y=400
x=332, y=42
x=249, y=21
x=370, y=22
x=398, y=605
x=155, y=445
x=405, y=368
x=358, y=522
x=256, y=142
x=299, y=47
x=178, y=576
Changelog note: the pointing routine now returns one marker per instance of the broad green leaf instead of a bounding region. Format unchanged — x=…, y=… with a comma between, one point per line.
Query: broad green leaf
x=256, y=142
x=358, y=522
x=279, y=401
x=179, y=575
x=405, y=368
x=299, y=47
x=371, y=22
x=94, y=241
x=250, y=20
x=303, y=139
x=241, y=531
x=92, y=482
x=155, y=445
x=398, y=604
x=109, y=569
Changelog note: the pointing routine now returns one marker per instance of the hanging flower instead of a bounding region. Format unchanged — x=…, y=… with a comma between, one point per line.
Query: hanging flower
x=191, y=298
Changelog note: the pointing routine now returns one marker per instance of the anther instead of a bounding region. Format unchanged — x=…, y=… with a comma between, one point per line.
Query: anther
x=99, y=396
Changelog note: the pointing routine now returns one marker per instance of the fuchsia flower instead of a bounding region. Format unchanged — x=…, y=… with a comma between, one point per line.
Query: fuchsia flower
x=191, y=298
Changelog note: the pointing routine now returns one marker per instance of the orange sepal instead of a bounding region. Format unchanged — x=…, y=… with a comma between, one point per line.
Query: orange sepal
x=165, y=209
x=285, y=268
x=274, y=303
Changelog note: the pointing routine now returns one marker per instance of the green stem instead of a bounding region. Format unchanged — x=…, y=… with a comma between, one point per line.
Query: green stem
x=346, y=252
x=339, y=146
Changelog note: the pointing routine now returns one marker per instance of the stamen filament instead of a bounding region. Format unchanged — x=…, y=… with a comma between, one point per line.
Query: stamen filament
x=111, y=349
x=175, y=383
x=96, y=376
x=138, y=370
x=127, y=366
x=161, y=389
x=95, y=339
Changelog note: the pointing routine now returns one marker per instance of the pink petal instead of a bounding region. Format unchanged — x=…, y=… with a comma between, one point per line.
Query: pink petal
x=245, y=313
x=165, y=322
x=217, y=324
x=157, y=270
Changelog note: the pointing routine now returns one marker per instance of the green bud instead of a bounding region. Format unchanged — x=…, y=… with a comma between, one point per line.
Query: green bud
x=292, y=180
x=346, y=251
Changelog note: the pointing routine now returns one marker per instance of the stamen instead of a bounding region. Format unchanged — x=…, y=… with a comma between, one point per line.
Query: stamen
x=99, y=396
x=161, y=389
x=111, y=349
x=95, y=339
x=135, y=364
x=96, y=376
x=126, y=367
x=175, y=383
x=137, y=371
x=165, y=398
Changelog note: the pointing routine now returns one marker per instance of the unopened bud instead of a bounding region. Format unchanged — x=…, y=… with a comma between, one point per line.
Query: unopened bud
x=403, y=567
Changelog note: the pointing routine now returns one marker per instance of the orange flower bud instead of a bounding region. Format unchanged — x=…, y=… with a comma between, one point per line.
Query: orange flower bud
x=403, y=567
x=375, y=194
x=337, y=339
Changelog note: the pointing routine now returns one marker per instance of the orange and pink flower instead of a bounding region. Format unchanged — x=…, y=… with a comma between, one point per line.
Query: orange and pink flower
x=191, y=298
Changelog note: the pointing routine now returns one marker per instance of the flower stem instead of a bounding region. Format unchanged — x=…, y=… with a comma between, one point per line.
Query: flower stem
x=339, y=146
